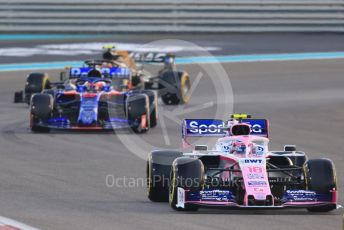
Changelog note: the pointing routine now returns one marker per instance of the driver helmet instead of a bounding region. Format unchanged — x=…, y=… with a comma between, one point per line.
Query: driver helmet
x=99, y=86
x=239, y=148
x=70, y=85
x=96, y=73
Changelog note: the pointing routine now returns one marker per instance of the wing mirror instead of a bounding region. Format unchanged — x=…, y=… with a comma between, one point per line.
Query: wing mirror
x=290, y=148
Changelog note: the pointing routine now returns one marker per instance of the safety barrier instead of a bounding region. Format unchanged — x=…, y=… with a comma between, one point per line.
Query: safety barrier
x=93, y=16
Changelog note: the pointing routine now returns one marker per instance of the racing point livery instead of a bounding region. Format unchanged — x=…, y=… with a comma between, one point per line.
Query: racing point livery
x=97, y=96
x=239, y=171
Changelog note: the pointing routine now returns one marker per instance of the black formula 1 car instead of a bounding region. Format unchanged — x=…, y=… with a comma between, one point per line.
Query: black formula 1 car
x=173, y=85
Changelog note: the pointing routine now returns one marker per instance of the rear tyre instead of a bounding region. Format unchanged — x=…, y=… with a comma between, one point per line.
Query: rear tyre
x=175, y=87
x=158, y=174
x=184, y=88
x=138, y=112
x=18, y=97
x=41, y=107
x=321, y=177
x=186, y=173
x=36, y=83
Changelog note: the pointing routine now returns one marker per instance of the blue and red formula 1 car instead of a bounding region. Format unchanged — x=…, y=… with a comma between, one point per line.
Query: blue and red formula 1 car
x=171, y=84
x=239, y=171
x=97, y=96
x=105, y=94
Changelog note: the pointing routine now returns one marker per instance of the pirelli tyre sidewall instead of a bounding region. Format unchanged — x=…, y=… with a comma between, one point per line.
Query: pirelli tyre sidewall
x=41, y=108
x=186, y=173
x=320, y=175
x=35, y=83
x=137, y=110
x=175, y=87
x=153, y=106
x=185, y=86
x=158, y=174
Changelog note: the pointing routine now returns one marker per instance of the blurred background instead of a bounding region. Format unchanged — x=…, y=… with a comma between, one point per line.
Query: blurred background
x=114, y=16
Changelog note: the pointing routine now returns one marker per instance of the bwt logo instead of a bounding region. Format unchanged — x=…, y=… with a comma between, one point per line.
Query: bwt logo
x=204, y=128
x=253, y=161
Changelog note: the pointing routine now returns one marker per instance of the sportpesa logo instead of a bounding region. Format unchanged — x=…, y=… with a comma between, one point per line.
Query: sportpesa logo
x=205, y=127
x=216, y=127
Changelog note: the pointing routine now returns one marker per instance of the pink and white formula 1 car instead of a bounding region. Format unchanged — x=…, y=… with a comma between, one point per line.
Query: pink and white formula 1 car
x=240, y=171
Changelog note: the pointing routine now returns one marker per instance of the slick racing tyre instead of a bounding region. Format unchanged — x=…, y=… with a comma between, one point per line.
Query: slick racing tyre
x=18, y=97
x=137, y=107
x=186, y=173
x=153, y=105
x=321, y=177
x=49, y=91
x=41, y=108
x=36, y=83
x=175, y=87
x=158, y=174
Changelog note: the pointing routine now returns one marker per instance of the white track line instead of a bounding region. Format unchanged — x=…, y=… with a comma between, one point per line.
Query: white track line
x=13, y=223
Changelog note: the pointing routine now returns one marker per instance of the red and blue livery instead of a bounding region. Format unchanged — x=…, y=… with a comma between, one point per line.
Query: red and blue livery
x=95, y=97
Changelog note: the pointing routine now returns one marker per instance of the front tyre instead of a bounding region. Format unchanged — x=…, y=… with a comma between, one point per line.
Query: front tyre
x=137, y=107
x=153, y=107
x=186, y=173
x=321, y=178
x=41, y=107
x=158, y=174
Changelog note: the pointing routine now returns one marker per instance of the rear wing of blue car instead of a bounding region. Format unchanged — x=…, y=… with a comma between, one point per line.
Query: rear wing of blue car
x=219, y=128
x=113, y=73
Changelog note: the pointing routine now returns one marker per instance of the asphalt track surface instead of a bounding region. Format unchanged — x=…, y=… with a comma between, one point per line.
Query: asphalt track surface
x=230, y=44
x=58, y=180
